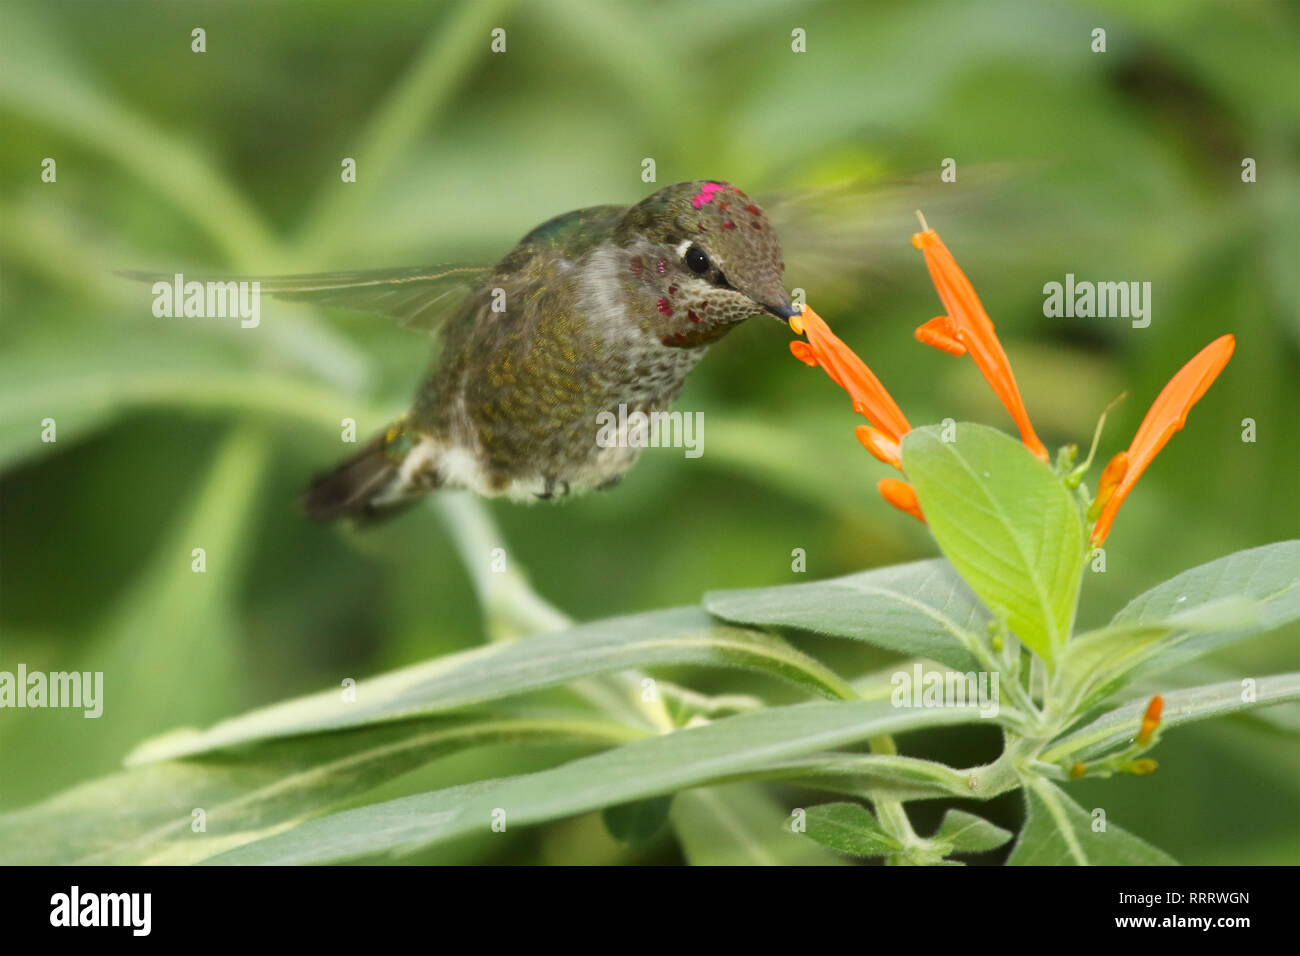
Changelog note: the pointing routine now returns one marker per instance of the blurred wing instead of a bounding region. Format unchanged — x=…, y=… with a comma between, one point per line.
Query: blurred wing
x=859, y=229
x=418, y=298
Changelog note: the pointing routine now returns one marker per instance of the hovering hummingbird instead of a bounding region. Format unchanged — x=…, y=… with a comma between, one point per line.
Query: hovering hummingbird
x=597, y=308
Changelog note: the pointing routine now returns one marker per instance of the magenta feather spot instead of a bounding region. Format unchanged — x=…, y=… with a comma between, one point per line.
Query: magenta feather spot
x=706, y=194
x=661, y=267
x=728, y=225
x=692, y=316
x=664, y=306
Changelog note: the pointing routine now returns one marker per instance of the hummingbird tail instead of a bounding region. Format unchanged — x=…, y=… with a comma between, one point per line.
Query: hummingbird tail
x=366, y=487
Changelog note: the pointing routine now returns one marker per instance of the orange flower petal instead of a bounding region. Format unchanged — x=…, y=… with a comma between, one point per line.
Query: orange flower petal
x=1111, y=476
x=901, y=495
x=879, y=445
x=869, y=396
x=803, y=352
x=1168, y=413
x=941, y=333
x=974, y=330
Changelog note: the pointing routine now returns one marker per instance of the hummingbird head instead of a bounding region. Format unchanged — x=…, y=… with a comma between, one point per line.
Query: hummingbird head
x=702, y=257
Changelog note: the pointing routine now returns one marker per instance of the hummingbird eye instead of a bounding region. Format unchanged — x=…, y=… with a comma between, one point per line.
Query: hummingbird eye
x=696, y=260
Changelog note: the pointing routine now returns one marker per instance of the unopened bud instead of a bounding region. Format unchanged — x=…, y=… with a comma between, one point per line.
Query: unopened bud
x=1151, y=720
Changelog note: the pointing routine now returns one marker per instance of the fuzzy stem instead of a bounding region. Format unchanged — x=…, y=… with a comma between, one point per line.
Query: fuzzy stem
x=512, y=609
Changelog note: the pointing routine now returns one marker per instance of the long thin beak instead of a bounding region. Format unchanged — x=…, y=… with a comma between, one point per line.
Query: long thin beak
x=785, y=311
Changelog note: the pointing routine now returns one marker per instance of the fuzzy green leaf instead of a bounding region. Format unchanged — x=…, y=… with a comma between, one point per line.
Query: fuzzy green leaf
x=967, y=833
x=923, y=609
x=735, y=748
x=684, y=636
x=1007, y=523
x=1059, y=832
x=1120, y=725
x=849, y=828
x=1214, y=604
x=1189, y=615
x=144, y=815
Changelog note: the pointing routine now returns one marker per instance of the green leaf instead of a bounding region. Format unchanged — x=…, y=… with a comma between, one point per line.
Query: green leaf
x=733, y=749
x=1269, y=573
x=682, y=636
x=1097, y=663
x=1189, y=615
x=1059, y=832
x=1280, y=717
x=144, y=815
x=1007, y=523
x=923, y=608
x=1261, y=585
x=966, y=833
x=849, y=828
x=741, y=824
x=882, y=775
x=639, y=821
x=1180, y=707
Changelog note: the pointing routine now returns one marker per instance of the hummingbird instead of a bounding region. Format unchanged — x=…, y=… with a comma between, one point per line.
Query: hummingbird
x=598, y=308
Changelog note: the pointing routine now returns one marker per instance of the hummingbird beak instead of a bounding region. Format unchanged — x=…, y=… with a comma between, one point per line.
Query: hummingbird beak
x=785, y=311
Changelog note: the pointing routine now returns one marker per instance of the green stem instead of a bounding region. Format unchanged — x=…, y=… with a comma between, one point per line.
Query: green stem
x=513, y=609
x=1011, y=687
x=510, y=605
x=891, y=812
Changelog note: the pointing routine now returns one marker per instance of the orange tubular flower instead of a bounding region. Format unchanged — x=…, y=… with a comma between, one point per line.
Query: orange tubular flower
x=1168, y=414
x=967, y=327
x=870, y=400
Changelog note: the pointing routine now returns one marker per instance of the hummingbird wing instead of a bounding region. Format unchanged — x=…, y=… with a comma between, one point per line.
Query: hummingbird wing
x=417, y=297
x=859, y=228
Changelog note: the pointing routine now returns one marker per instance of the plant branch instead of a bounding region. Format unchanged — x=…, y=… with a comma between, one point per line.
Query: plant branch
x=512, y=609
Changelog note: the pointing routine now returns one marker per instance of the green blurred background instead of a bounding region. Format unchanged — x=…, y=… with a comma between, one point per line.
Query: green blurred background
x=177, y=434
